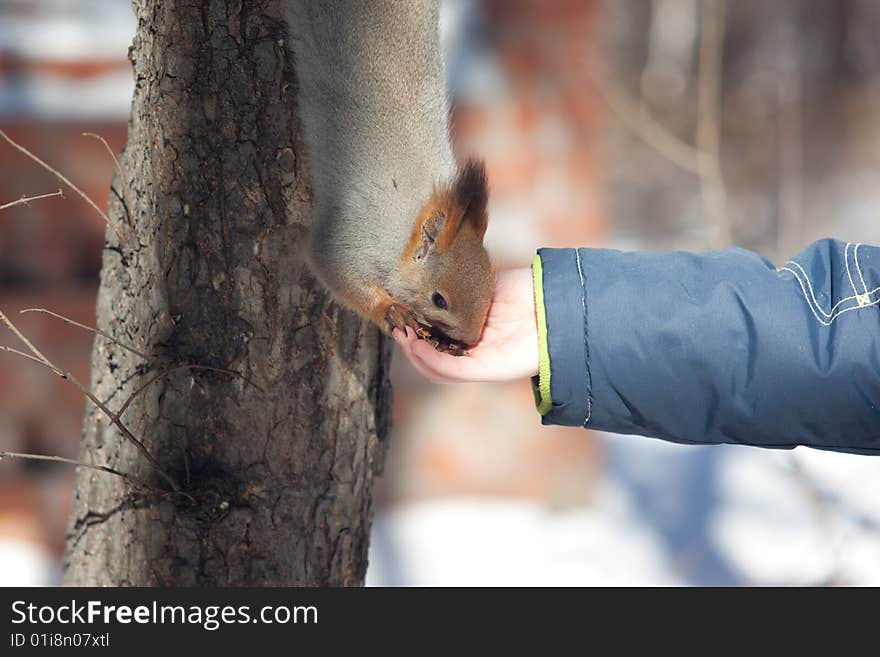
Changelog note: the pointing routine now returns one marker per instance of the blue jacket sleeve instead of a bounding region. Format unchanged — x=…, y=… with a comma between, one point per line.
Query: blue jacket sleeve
x=719, y=347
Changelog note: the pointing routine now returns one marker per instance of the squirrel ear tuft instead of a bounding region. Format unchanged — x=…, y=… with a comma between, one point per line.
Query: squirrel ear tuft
x=462, y=202
x=471, y=191
x=431, y=229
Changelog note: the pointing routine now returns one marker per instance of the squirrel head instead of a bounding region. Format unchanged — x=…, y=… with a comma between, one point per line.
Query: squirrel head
x=447, y=273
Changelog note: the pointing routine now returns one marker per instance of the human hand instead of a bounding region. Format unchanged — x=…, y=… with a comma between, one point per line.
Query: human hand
x=508, y=348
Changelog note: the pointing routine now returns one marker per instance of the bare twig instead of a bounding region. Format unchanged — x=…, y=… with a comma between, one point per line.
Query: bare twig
x=92, y=466
x=36, y=352
x=3, y=347
x=640, y=121
x=88, y=328
x=61, y=459
x=24, y=200
x=709, y=120
x=175, y=368
x=166, y=372
x=67, y=182
x=125, y=193
x=67, y=376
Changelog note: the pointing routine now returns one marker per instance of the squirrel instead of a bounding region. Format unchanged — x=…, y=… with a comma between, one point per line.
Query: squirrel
x=397, y=228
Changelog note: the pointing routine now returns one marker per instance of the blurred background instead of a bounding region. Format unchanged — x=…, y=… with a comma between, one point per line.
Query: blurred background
x=589, y=114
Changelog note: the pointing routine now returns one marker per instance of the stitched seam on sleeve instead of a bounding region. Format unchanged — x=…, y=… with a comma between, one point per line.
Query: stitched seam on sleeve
x=588, y=374
x=543, y=399
x=865, y=299
x=859, y=270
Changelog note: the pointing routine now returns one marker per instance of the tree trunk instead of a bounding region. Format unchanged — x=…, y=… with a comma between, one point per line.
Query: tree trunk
x=275, y=463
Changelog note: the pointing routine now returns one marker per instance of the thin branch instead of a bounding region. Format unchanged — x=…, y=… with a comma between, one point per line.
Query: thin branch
x=175, y=368
x=88, y=328
x=61, y=459
x=67, y=376
x=3, y=347
x=709, y=120
x=24, y=200
x=67, y=182
x=134, y=481
x=162, y=374
x=11, y=350
x=125, y=192
x=36, y=352
x=640, y=122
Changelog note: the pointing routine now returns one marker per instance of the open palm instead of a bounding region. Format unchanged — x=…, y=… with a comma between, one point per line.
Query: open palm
x=508, y=348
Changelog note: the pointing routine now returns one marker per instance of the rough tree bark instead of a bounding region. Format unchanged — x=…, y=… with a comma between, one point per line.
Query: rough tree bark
x=279, y=476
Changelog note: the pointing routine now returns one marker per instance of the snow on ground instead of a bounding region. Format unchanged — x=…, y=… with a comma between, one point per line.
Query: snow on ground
x=663, y=514
x=26, y=564
x=484, y=542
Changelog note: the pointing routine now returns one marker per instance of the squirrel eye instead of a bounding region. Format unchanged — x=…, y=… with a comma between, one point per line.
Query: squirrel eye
x=439, y=300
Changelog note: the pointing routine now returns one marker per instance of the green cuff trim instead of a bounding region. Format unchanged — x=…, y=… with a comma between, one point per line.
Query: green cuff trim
x=541, y=383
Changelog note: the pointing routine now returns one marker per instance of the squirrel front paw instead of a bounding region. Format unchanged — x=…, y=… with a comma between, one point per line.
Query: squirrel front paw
x=400, y=316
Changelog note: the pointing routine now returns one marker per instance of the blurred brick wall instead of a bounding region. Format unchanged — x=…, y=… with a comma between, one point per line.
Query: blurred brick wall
x=50, y=254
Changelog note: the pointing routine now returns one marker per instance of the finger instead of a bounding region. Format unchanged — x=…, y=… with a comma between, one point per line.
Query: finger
x=407, y=341
x=446, y=366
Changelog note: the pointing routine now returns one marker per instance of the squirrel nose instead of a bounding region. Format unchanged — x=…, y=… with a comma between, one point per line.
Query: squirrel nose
x=472, y=337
